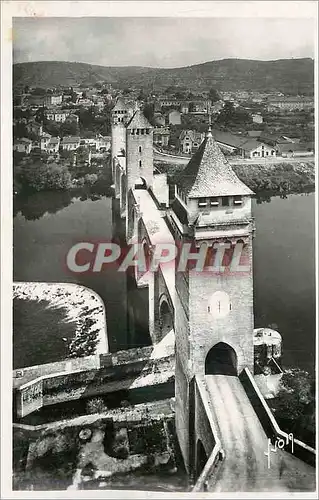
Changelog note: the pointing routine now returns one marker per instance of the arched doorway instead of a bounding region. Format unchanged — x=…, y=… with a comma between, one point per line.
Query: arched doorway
x=201, y=458
x=221, y=360
x=166, y=319
x=140, y=183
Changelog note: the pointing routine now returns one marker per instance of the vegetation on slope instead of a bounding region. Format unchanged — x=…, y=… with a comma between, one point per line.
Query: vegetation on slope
x=286, y=75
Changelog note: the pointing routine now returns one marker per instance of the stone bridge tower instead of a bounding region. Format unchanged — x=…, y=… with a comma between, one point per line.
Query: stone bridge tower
x=214, y=307
x=139, y=144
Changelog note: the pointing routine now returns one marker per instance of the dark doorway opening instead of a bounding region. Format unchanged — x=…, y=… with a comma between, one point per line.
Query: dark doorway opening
x=166, y=319
x=221, y=360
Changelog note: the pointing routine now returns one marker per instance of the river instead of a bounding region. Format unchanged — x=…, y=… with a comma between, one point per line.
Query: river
x=46, y=225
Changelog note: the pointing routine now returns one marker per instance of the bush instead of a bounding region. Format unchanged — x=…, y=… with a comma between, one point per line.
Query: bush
x=96, y=405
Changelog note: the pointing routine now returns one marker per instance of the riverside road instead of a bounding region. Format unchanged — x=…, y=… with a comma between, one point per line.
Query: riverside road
x=180, y=160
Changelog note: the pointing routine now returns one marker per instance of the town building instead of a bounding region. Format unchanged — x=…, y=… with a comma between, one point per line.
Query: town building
x=34, y=128
x=256, y=149
x=296, y=149
x=53, y=145
x=228, y=142
x=57, y=115
x=70, y=143
x=161, y=136
x=53, y=99
x=257, y=118
x=290, y=103
x=190, y=140
x=23, y=145
x=174, y=117
x=44, y=141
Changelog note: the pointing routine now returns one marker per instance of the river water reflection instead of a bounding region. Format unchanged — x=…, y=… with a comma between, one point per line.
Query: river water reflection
x=46, y=225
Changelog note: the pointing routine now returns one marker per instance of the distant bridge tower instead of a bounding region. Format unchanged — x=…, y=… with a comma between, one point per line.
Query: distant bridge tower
x=214, y=309
x=139, y=143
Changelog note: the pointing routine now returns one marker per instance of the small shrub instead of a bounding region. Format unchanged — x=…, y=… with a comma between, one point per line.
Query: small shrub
x=96, y=405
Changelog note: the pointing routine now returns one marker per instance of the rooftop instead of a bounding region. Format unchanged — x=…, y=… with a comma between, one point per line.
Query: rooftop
x=138, y=120
x=208, y=173
x=70, y=139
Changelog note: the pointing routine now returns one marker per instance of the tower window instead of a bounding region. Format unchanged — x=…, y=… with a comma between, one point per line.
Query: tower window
x=140, y=149
x=214, y=202
x=202, y=202
x=238, y=200
x=225, y=201
x=140, y=163
x=142, y=131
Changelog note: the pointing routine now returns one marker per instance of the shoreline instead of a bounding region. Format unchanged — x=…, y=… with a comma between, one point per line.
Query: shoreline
x=78, y=301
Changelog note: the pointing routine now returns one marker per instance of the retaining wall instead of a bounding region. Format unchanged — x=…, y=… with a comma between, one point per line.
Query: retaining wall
x=84, y=377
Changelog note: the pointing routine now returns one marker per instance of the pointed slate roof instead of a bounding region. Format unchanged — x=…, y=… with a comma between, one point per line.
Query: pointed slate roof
x=208, y=173
x=138, y=120
x=119, y=105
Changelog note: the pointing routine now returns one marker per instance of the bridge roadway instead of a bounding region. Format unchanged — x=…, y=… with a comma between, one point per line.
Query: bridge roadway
x=245, y=467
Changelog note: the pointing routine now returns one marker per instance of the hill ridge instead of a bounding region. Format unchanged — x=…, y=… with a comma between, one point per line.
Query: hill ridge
x=295, y=75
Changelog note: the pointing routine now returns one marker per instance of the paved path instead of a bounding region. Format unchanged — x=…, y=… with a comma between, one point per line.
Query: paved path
x=244, y=441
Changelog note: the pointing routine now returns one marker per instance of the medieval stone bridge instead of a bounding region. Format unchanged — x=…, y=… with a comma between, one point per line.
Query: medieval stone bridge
x=222, y=421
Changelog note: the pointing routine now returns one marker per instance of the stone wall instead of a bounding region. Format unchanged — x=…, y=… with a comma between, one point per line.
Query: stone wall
x=123, y=370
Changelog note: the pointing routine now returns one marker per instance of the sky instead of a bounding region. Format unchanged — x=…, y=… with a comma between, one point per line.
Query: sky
x=160, y=42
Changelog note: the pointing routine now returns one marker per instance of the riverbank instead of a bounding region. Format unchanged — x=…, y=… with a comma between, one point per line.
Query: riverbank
x=82, y=308
x=276, y=178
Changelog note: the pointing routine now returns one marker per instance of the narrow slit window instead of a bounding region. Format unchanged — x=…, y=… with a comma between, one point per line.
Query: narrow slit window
x=140, y=149
x=140, y=163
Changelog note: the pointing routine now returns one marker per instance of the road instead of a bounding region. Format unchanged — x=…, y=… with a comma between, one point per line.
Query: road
x=244, y=442
x=178, y=160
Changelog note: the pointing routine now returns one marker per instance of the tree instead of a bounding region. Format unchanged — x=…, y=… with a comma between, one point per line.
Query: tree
x=39, y=176
x=213, y=95
x=296, y=396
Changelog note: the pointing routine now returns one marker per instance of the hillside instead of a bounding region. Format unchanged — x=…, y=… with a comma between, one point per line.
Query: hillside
x=286, y=75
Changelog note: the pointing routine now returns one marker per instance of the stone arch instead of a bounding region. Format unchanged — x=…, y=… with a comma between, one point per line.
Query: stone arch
x=201, y=458
x=221, y=359
x=166, y=315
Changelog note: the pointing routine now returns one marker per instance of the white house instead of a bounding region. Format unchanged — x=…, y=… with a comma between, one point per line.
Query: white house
x=70, y=143
x=44, y=141
x=256, y=149
x=57, y=116
x=53, y=145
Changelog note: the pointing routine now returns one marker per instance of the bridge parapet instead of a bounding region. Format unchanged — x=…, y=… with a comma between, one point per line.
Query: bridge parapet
x=268, y=421
x=206, y=436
